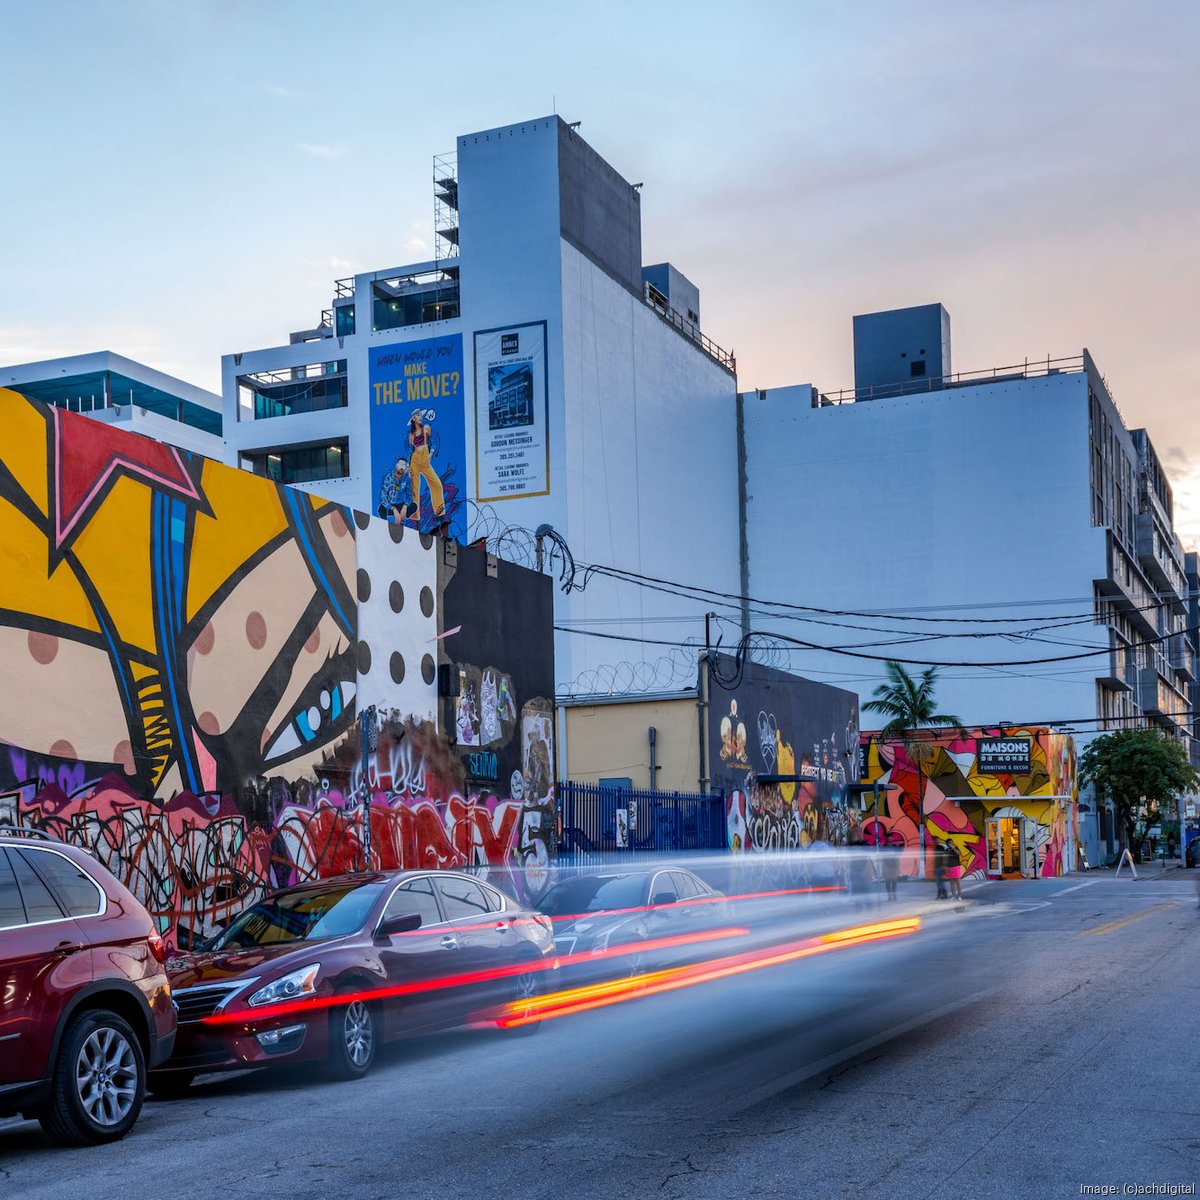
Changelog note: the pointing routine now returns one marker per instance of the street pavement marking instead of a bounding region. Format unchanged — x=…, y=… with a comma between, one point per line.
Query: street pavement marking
x=1128, y=920
x=1090, y=883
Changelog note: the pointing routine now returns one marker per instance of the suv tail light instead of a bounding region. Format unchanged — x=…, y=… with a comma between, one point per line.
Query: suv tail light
x=158, y=948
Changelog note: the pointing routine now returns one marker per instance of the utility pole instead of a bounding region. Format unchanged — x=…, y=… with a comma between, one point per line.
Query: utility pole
x=368, y=739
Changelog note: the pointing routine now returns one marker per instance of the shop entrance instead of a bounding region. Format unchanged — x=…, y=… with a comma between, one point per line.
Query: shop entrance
x=1012, y=848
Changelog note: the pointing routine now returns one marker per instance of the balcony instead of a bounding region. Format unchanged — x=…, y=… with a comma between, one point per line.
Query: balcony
x=1117, y=670
x=1157, y=696
x=1155, y=555
x=1181, y=656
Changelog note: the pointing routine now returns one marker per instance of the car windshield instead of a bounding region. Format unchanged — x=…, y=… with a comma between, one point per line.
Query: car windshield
x=305, y=915
x=593, y=893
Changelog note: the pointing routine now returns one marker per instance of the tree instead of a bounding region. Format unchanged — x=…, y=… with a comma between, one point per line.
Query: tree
x=1140, y=771
x=910, y=706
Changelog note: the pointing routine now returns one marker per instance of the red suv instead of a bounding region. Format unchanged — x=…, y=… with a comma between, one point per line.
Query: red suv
x=85, y=1006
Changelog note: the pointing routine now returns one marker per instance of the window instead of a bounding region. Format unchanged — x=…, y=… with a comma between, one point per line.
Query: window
x=463, y=899
x=304, y=915
x=40, y=905
x=685, y=885
x=306, y=464
x=75, y=892
x=313, y=387
x=664, y=884
x=343, y=317
x=415, y=896
x=12, y=911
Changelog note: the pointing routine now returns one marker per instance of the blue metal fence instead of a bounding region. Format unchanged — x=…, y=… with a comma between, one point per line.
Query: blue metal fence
x=613, y=820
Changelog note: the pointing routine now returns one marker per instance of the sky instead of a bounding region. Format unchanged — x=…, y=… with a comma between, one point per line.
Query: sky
x=188, y=180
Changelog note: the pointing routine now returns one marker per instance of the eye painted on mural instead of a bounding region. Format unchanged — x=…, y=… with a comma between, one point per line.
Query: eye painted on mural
x=324, y=711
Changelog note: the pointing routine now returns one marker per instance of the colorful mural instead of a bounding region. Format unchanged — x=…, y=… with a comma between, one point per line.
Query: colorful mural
x=957, y=799
x=187, y=647
x=783, y=749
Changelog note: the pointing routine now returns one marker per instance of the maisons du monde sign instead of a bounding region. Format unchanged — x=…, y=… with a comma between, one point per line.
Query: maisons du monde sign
x=1004, y=756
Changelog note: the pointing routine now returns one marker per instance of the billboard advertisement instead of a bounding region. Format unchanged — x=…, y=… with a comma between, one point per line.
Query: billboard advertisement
x=512, y=445
x=418, y=437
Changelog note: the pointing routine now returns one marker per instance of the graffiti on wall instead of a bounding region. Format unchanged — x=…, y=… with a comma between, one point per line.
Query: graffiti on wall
x=785, y=749
x=187, y=649
x=957, y=799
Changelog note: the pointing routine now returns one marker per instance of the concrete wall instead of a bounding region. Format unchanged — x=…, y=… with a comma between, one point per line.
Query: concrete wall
x=969, y=502
x=651, y=436
x=605, y=741
x=600, y=212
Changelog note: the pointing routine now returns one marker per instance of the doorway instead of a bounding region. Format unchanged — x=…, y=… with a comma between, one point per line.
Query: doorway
x=1011, y=848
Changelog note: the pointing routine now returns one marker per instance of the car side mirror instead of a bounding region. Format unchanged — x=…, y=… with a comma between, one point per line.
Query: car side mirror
x=664, y=898
x=400, y=923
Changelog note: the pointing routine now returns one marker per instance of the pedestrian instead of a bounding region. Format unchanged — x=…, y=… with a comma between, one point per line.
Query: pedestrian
x=889, y=865
x=860, y=873
x=954, y=871
x=939, y=870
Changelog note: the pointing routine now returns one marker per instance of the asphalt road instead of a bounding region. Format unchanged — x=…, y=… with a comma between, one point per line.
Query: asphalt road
x=1041, y=1038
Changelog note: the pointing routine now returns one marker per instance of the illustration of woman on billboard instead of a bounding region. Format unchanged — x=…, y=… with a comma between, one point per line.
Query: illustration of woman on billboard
x=419, y=466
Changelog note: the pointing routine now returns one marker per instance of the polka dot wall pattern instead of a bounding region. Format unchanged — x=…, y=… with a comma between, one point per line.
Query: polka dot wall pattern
x=396, y=588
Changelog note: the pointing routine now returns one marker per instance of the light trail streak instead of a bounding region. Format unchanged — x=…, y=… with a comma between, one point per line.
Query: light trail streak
x=601, y=913
x=600, y=995
x=255, y=1016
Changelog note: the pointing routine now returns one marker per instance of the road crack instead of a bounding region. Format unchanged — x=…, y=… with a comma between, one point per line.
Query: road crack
x=1070, y=991
x=692, y=1169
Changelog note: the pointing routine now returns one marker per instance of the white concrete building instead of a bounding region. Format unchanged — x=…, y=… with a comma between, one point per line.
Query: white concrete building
x=561, y=382
x=119, y=391
x=1012, y=506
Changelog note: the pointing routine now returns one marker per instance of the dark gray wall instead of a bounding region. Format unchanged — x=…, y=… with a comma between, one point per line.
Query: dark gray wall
x=600, y=212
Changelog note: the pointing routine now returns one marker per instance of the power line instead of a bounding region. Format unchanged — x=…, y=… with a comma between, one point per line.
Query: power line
x=853, y=653
x=737, y=599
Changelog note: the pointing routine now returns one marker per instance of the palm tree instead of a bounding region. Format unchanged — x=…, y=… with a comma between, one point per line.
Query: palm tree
x=910, y=707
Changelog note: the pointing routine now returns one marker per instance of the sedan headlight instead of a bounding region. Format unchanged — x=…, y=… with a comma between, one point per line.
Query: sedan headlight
x=293, y=986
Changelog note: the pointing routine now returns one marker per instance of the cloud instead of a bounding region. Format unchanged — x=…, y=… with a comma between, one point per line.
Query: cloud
x=317, y=150
x=281, y=92
x=1183, y=471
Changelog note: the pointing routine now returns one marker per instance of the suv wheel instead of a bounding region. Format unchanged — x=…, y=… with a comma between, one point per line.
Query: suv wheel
x=352, y=1037
x=99, y=1081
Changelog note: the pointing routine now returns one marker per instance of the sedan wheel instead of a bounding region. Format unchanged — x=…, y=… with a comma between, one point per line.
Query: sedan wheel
x=352, y=1040
x=526, y=986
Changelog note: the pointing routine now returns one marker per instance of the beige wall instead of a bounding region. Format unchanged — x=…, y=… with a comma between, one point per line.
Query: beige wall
x=607, y=740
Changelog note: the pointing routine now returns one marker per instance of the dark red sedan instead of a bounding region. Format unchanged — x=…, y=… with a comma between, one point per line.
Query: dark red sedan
x=326, y=971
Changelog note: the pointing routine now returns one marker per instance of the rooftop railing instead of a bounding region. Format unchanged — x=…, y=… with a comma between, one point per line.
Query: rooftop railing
x=1029, y=369
x=655, y=300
